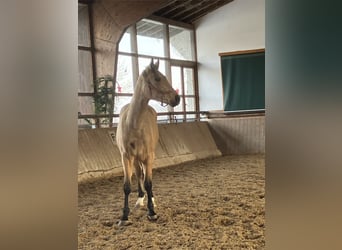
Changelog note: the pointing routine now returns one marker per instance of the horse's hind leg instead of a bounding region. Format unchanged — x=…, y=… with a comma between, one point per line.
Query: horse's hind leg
x=127, y=167
x=148, y=186
x=139, y=172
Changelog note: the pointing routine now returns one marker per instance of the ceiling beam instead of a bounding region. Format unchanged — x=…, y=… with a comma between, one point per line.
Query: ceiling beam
x=169, y=8
x=191, y=17
x=171, y=21
x=192, y=9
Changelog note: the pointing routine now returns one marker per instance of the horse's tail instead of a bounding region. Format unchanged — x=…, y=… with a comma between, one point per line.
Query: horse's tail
x=142, y=176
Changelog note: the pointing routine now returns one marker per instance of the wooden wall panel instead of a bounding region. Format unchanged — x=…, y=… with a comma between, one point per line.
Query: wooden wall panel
x=182, y=142
x=243, y=135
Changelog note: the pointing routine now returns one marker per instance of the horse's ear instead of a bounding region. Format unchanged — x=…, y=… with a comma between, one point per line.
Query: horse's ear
x=151, y=64
x=156, y=65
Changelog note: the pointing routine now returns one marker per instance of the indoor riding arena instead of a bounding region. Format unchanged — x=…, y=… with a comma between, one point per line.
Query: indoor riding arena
x=209, y=161
x=212, y=203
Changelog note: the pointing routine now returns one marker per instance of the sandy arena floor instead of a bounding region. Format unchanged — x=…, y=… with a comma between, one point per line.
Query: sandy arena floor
x=209, y=204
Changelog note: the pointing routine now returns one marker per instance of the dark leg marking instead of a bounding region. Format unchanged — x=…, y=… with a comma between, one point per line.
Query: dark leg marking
x=151, y=214
x=127, y=191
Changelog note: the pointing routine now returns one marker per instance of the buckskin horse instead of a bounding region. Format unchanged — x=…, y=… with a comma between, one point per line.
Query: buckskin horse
x=137, y=135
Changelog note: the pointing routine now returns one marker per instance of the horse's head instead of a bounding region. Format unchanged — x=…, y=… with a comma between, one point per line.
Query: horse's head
x=159, y=87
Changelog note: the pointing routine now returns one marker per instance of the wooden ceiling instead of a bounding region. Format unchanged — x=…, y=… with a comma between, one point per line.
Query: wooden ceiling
x=188, y=11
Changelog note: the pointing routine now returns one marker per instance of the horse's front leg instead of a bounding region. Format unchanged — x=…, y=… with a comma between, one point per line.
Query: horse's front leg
x=127, y=167
x=148, y=187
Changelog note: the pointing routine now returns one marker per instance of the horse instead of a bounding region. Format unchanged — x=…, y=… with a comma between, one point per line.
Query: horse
x=137, y=135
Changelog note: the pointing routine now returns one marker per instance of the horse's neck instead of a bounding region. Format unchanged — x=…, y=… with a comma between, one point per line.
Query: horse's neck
x=139, y=103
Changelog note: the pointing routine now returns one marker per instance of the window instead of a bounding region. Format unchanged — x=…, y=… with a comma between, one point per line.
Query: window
x=85, y=66
x=150, y=38
x=181, y=43
x=174, y=47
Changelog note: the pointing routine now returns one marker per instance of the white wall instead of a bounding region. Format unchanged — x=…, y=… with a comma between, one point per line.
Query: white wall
x=239, y=25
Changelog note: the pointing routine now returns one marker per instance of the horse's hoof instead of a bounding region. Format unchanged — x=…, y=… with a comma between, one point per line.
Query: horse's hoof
x=152, y=217
x=124, y=223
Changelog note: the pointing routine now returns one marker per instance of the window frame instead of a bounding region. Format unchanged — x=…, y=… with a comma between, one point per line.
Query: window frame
x=91, y=49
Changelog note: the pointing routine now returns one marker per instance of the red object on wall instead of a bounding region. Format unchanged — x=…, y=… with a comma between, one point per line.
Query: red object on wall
x=119, y=88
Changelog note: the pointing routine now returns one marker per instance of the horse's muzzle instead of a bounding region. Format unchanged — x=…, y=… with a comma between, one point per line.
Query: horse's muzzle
x=176, y=101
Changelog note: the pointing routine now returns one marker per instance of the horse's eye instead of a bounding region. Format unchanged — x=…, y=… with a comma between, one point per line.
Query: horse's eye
x=157, y=79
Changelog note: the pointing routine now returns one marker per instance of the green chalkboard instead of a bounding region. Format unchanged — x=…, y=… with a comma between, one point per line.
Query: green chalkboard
x=243, y=77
